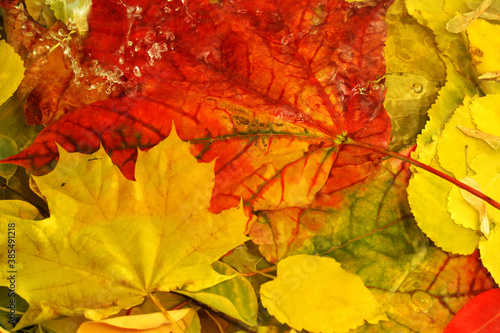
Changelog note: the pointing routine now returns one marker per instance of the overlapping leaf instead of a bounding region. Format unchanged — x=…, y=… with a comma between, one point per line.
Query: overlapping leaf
x=265, y=87
x=109, y=233
x=58, y=79
x=420, y=287
x=481, y=314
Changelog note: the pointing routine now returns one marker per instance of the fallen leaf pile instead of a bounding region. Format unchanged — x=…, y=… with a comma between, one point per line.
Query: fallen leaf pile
x=198, y=165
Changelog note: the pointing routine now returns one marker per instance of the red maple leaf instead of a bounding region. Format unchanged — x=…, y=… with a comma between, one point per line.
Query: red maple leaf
x=265, y=87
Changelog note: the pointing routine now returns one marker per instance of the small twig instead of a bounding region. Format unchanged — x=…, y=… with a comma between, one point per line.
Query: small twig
x=219, y=327
x=255, y=272
x=156, y=301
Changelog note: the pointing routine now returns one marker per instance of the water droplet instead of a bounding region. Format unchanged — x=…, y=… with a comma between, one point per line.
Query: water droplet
x=137, y=71
x=417, y=88
x=61, y=32
x=422, y=300
x=108, y=91
x=121, y=60
x=130, y=43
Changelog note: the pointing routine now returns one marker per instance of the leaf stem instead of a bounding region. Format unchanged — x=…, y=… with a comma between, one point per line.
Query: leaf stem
x=255, y=272
x=219, y=327
x=264, y=274
x=156, y=301
x=407, y=159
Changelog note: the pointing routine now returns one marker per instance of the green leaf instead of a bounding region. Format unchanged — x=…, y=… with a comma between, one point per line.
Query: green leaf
x=407, y=100
x=234, y=297
x=314, y=293
x=242, y=260
x=8, y=147
x=72, y=12
x=11, y=71
x=13, y=124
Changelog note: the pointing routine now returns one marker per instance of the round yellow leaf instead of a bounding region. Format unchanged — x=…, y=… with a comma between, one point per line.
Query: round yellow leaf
x=11, y=71
x=318, y=295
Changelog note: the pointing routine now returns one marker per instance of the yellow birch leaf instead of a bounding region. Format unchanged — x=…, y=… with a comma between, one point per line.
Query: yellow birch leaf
x=483, y=45
x=490, y=253
x=318, y=295
x=487, y=167
x=109, y=241
x=145, y=323
x=11, y=71
x=454, y=149
x=427, y=195
x=484, y=112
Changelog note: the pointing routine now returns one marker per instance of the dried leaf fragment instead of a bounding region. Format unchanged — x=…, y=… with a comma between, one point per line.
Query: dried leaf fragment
x=492, y=140
x=461, y=21
x=145, y=323
x=483, y=223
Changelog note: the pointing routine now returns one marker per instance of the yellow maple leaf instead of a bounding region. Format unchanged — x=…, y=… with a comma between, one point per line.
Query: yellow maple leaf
x=110, y=242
